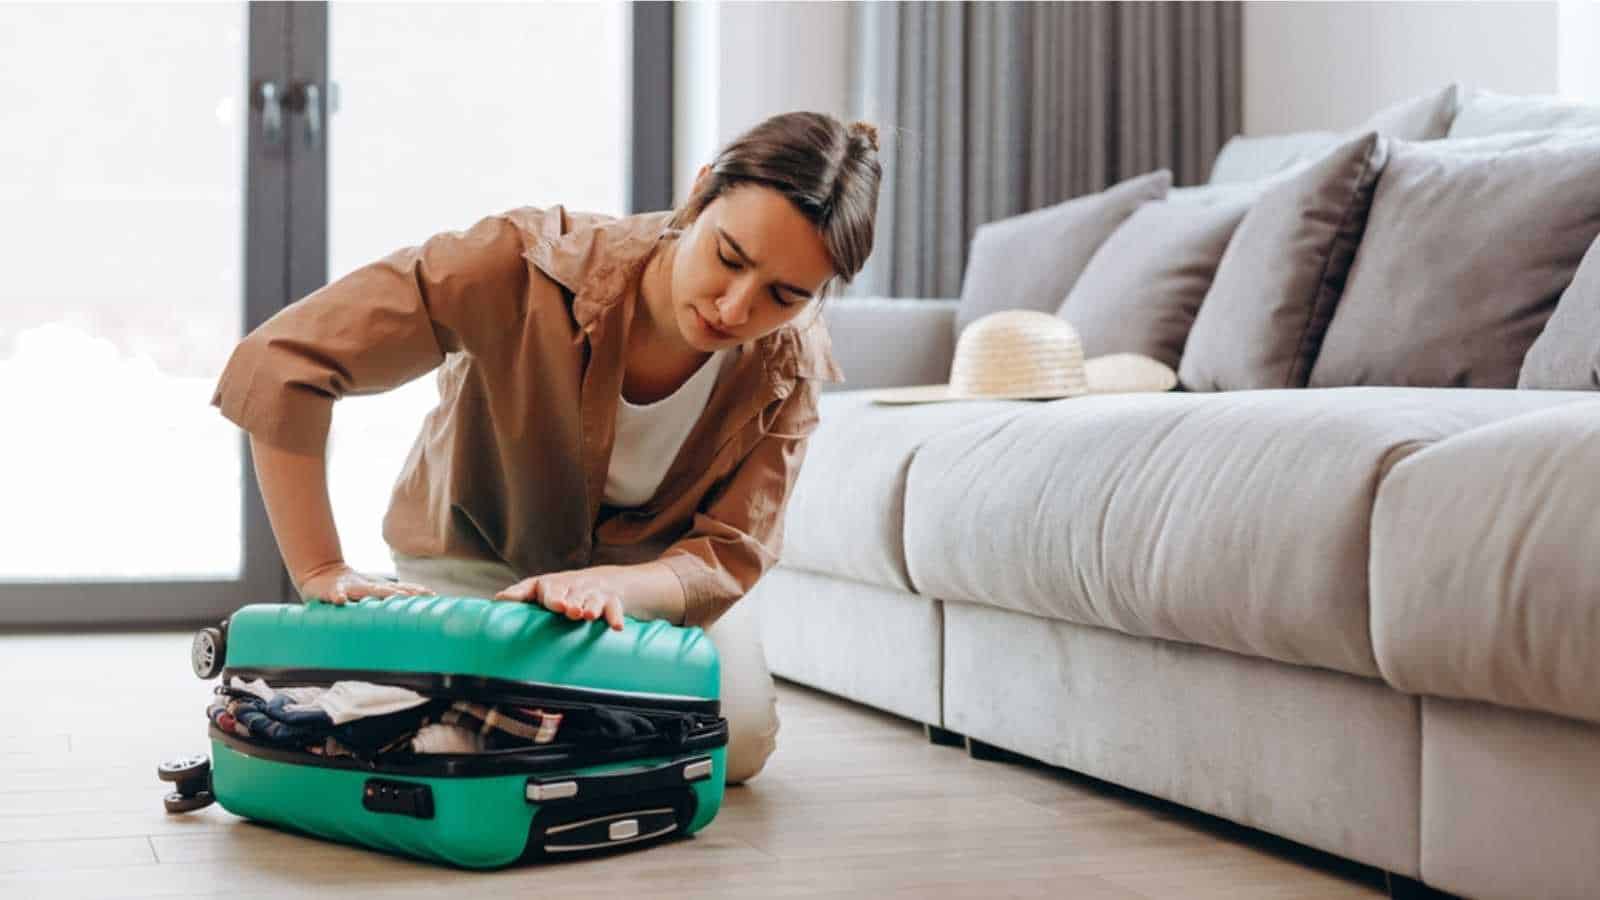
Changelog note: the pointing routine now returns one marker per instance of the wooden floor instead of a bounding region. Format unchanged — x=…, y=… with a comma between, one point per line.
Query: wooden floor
x=855, y=803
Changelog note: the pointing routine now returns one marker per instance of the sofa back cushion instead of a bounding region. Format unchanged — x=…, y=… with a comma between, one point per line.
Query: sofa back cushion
x=1463, y=261
x=1486, y=112
x=1263, y=318
x=1142, y=288
x=1031, y=261
x=1566, y=355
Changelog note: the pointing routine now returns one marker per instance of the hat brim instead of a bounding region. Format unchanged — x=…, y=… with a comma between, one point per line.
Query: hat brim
x=1114, y=373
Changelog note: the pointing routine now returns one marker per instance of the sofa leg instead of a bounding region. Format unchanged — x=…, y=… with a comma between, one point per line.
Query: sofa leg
x=941, y=736
x=1403, y=888
x=990, y=753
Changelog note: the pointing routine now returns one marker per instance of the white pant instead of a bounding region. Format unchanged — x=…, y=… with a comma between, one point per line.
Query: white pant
x=749, y=698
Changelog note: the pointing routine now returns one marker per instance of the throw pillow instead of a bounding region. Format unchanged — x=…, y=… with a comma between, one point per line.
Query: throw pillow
x=1486, y=112
x=1245, y=158
x=1031, y=261
x=1141, y=290
x=1424, y=118
x=1464, y=259
x=1566, y=355
x=1261, y=323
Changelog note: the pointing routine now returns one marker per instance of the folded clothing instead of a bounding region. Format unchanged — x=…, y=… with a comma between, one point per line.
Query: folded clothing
x=283, y=724
x=343, y=701
x=504, y=727
x=361, y=719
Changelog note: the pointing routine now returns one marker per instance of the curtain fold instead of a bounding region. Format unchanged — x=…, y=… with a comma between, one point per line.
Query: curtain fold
x=988, y=110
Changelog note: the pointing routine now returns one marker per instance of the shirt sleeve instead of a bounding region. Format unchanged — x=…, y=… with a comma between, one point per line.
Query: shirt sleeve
x=737, y=534
x=373, y=330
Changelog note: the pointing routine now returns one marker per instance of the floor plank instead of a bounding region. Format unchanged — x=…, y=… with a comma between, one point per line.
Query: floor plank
x=855, y=803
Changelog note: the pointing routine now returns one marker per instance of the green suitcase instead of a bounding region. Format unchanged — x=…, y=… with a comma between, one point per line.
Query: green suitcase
x=488, y=809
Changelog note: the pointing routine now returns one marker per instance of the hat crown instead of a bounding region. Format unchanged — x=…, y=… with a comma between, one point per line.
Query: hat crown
x=1019, y=352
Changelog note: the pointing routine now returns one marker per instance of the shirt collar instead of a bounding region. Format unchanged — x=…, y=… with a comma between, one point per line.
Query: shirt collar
x=597, y=258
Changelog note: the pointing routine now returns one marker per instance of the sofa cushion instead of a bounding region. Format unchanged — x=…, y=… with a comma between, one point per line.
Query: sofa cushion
x=1238, y=520
x=1140, y=292
x=1031, y=261
x=1262, y=320
x=1463, y=261
x=1486, y=587
x=845, y=514
x=1488, y=112
x=1566, y=355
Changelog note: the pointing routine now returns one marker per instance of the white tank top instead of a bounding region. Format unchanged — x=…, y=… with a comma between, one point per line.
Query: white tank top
x=649, y=435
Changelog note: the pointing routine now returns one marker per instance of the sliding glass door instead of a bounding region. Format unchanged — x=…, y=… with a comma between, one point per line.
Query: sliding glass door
x=142, y=216
x=172, y=175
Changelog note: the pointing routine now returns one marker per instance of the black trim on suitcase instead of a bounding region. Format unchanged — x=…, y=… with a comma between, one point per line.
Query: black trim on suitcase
x=477, y=687
x=490, y=762
x=619, y=782
x=567, y=830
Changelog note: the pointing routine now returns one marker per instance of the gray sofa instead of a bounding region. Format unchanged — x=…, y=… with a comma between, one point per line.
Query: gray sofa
x=1366, y=619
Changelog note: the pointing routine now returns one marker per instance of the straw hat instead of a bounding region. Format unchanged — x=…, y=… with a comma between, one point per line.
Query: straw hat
x=1022, y=354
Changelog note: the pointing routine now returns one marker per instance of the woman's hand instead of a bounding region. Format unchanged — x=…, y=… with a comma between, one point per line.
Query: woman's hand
x=339, y=584
x=577, y=594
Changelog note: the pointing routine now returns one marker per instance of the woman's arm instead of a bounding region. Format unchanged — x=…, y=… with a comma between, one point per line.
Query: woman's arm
x=375, y=329
x=738, y=533
x=294, y=486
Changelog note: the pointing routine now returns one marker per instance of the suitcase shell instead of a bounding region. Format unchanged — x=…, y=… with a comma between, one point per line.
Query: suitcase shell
x=479, y=810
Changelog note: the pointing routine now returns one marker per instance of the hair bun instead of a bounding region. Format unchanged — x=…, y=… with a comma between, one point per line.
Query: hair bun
x=865, y=130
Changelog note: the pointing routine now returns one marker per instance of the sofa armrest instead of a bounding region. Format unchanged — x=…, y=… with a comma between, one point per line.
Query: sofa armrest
x=891, y=342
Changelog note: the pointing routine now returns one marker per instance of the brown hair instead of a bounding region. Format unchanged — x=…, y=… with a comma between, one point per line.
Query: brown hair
x=829, y=170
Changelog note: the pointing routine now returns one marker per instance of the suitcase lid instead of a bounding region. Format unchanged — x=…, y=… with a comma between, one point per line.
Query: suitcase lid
x=477, y=637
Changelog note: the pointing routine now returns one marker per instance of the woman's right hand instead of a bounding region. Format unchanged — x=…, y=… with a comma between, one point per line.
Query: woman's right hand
x=339, y=584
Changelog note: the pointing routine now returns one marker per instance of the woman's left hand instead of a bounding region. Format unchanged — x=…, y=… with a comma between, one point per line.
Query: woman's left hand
x=577, y=594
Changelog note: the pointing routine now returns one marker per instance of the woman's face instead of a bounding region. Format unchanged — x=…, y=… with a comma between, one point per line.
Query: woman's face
x=748, y=265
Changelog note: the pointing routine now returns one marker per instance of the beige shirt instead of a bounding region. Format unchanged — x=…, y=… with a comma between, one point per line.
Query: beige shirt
x=526, y=315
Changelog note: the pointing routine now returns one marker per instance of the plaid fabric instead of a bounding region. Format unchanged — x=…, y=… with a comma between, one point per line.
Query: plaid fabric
x=504, y=726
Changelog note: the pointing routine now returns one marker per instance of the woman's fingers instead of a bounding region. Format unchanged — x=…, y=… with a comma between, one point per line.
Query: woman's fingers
x=523, y=590
x=557, y=595
x=573, y=604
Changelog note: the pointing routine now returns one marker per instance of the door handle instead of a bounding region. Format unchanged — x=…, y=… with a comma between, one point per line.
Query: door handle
x=313, y=97
x=306, y=97
x=267, y=97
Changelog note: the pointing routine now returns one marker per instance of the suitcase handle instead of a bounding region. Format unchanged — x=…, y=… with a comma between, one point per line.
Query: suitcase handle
x=618, y=783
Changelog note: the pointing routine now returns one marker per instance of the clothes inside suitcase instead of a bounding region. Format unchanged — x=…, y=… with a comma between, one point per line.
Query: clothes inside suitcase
x=596, y=786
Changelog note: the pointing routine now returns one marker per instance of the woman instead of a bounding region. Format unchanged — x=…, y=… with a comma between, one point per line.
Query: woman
x=624, y=402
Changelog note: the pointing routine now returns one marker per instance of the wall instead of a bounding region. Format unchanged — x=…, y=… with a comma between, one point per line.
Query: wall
x=1330, y=65
x=738, y=63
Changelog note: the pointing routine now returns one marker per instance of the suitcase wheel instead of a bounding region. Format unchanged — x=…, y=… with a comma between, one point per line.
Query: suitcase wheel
x=193, y=787
x=206, y=653
x=185, y=768
x=179, y=803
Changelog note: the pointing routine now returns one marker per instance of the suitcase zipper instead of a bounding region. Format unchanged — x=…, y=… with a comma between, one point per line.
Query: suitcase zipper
x=701, y=736
x=479, y=689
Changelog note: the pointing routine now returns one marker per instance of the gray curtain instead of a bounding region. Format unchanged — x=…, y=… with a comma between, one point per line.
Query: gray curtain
x=988, y=110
